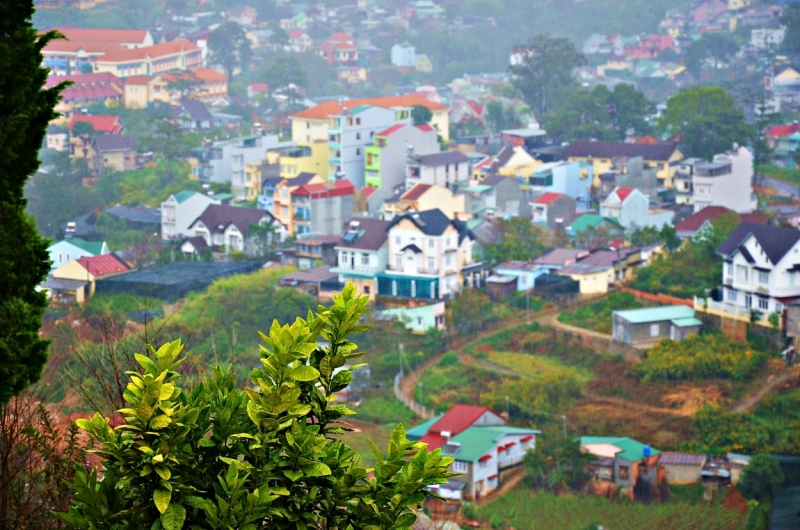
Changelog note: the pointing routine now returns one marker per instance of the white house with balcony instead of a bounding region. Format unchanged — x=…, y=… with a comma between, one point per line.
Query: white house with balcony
x=180, y=210
x=430, y=257
x=761, y=269
x=362, y=254
x=228, y=228
x=726, y=181
x=441, y=169
x=631, y=208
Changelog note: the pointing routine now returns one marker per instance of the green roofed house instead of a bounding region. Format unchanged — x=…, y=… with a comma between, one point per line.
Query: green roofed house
x=74, y=248
x=591, y=220
x=625, y=462
x=652, y=324
x=485, y=449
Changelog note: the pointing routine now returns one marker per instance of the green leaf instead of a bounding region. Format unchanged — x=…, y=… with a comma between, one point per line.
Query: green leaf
x=161, y=498
x=206, y=442
x=174, y=517
x=317, y=470
x=145, y=362
x=303, y=373
x=163, y=472
x=293, y=475
x=84, y=424
x=166, y=391
x=160, y=421
x=144, y=412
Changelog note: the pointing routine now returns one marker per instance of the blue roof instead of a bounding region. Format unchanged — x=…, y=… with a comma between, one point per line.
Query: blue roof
x=184, y=195
x=656, y=314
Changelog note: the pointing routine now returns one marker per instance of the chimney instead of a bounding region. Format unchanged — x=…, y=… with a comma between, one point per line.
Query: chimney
x=446, y=435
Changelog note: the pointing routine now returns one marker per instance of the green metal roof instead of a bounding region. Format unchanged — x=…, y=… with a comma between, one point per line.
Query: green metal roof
x=656, y=314
x=687, y=322
x=224, y=196
x=478, y=188
x=359, y=109
x=631, y=450
x=182, y=196
x=415, y=433
x=589, y=220
x=479, y=441
x=93, y=248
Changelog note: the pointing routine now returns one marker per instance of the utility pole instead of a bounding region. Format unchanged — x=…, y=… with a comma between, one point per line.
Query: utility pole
x=400, y=357
x=564, y=419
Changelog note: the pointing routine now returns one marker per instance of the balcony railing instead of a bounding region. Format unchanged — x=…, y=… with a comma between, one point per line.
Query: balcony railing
x=366, y=269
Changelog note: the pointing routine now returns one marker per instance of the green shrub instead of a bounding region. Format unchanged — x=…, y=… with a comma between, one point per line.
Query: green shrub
x=597, y=316
x=448, y=359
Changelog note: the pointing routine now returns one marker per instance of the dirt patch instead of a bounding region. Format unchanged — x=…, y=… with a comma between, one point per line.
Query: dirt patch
x=688, y=400
x=735, y=501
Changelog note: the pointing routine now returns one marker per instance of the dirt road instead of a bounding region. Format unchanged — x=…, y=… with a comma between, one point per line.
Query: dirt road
x=748, y=404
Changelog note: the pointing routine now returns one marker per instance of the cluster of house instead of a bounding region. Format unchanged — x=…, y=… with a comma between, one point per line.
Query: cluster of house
x=487, y=452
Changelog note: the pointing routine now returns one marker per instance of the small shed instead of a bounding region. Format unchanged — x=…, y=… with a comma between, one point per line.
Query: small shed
x=500, y=286
x=682, y=468
x=674, y=322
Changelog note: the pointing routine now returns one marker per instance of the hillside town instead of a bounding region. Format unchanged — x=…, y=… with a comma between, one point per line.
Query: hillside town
x=575, y=273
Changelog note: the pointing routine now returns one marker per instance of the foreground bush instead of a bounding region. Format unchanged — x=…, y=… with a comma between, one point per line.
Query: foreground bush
x=216, y=457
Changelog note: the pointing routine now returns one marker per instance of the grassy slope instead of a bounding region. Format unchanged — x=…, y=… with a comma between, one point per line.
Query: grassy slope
x=525, y=509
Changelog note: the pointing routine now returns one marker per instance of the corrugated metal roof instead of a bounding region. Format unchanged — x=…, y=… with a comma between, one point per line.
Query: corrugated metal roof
x=682, y=459
x=656, y=314
x=687, y=322
x=631, y=450
x=479, y=442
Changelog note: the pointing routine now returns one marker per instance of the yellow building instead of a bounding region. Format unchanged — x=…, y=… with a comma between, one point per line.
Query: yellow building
x=423, y=197
x=311, y=158
x=311, y=125
x=593, y=279
x=283, y=209
x=91, y=268
x=423, y=64
x=143, y=90
x=601, y=155
x=353, y=75
x=520, y=164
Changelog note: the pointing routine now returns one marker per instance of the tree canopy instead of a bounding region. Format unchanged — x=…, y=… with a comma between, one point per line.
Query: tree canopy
x=544, y=77
x=514, y=239
x=421, y=114
x=26, y=109
x=273, y=455
x=707, y=120
x=229, y=48
x=791, y=19
x=713, y=49
x=761, y=477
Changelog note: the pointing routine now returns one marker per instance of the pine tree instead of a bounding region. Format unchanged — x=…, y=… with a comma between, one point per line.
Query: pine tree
x=25, y=111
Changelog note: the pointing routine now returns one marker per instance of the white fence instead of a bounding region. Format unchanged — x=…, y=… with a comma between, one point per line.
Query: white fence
x=419, y=410
x=728, y=310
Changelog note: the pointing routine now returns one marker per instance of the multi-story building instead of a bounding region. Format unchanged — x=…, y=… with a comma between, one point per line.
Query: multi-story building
x=385, y=159
x=311, y=158
x=85, y=90
x=180, y=210
x=442, y=169
x=556, y=210
x=128, y=38
x=430, y=257
x=631, y=208
x=569, y=178
x=80, y=145
x=225, y=160
x=761, y=269
x=283, y=210
x=322, y=208
x=498, y=195
x=363, y=253
x=311, y=125
x=664, y=158
x=726, y=181
x=684, y=178
x=340, y=48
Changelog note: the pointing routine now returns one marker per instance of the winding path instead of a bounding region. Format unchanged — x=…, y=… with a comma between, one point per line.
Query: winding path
x=750, y=403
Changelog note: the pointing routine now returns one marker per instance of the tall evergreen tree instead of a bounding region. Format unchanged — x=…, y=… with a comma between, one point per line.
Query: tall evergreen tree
x=25, y=111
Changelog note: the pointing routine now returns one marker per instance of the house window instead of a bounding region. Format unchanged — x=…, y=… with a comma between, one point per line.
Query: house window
x=431, y=264
x=624, y=473
x=731, y=295
x=365, y=259
x=459, y=466
x=358, y=122
x=742, y=273
x=448, y=259
x=763, y=277
x=763, y=303
x=431, y=243
x=397, y=240
x=654, y=330
x=398, y=261
x=358, y=136
x=358, y=151
x=482, y=465
x=366, y=289
x=748, y=300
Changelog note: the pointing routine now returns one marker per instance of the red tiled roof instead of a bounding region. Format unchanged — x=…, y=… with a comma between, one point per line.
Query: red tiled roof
x=425, y=128
x=209, y=75
x=259, y=87
x=104, y=35
x=756, y=218
x=476, y=107
x=779, y=131
x=80, y=80
x=325, y=110
x=368, y=191
x=103, y=265
x=459, y=418
x=91, y=47
x=433, y=440
x=157, y=50
x=648, y=140
x=416, y=192
x=325, y=190
x=623, y=193
x=295, y=33
x=393, y=129
x=547, y=198
x=694, y=222
x=106, y=124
